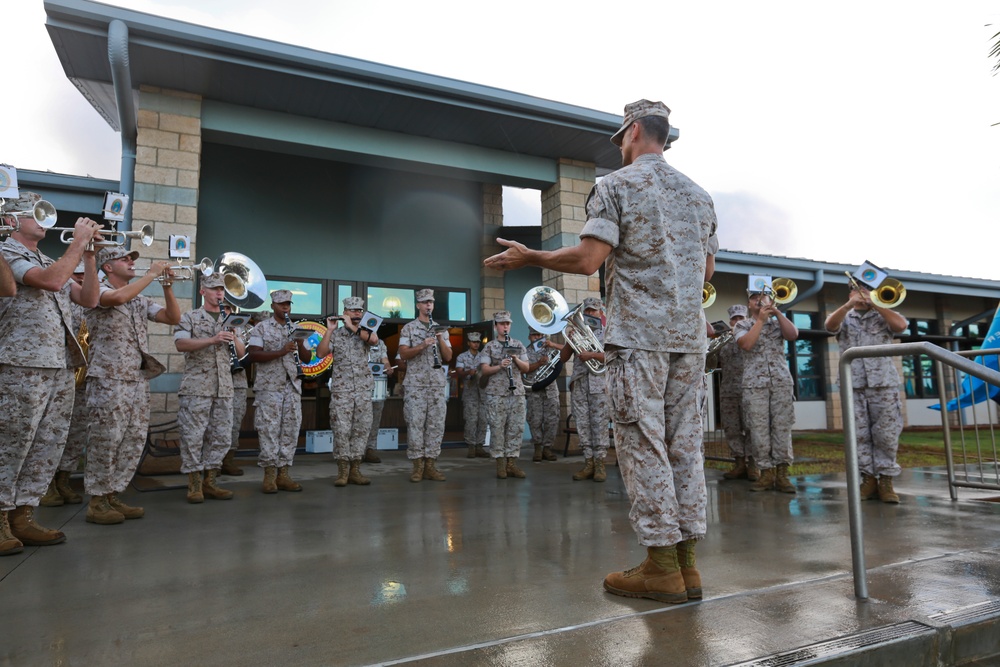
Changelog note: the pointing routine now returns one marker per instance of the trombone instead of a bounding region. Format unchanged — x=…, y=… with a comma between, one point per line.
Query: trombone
x=783, y=291
x=889, y=294
x=187, y=271
x=708, y=295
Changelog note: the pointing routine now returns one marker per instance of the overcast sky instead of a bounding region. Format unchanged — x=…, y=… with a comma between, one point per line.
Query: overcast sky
x=837, y=132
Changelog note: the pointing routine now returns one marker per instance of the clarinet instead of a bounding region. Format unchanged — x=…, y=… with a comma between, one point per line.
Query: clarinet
x=299, y=375
x=437, y=356
x=510, y=371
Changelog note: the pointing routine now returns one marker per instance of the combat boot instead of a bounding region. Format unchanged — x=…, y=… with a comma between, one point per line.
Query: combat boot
x=9, y=545
x=284, y=481
x=547, y=454
x=481, y=453
x=270, y=484
x=24, y=528
x=739, y=469
x=753, y=472
x=418, y=470
x=342, y=474
x=600, y=474
x=194, y=494
x=431, y=472
x=537, y=458
x=502, y=467
x=229, y=466
x=472, y=452
x=99, y=511
x=70, y=496
x=869, y=486
x=657, y=578
x=354, y=475
x=513, y=470
x=586, y=473
x=885, y=491
x=781, y=481
x=51, y=497
x=690, y=573
x=212, y=491
x=127, y=511
x=766, y=481
x=371, y=456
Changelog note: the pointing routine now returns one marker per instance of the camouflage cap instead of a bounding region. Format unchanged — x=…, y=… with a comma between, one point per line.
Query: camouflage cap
x=593, y=302
x=80, y=268
x=212, y=281
x=354, y=303
x=281, y=296
x=25, y=202
x=501, y=316
x=737, y=311
x=474, y=336
x=534, y=332
x=637, y=110
x=108, y=253
x=425, y=295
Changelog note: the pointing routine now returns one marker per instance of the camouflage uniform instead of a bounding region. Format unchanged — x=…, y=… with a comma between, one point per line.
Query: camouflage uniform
x=473, y=407
x=240, y=388
x=589, y=403
x=878, y=409
x=768, y=401
x=731, y=399
x=424, y=401
x=661, y=227
x=277, y=397
x=205, y=412
x=376, y=354
x=543, y=407
x=79, y=422
x=351, y=385
x=505, y=409
x=38, y=352
x=118, y=391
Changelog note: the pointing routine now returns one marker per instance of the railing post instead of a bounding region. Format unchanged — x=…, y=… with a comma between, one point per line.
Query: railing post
x=853, y=481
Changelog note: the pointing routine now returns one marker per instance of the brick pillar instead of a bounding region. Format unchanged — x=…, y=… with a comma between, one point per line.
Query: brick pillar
x=167, y=172
x=491, y=293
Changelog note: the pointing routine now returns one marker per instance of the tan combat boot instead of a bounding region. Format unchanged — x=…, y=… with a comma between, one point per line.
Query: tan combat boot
x=657, y=578
x=194, y=494
x=766, y=481
x=885, y=491
x=70, y=496
x=342, y=467
x=501, y=467
x=869, y=486
x=418, y=470
x=586, y=473
x=600, y=474
x=51, y=497
x=739, y=469
x=354, y=475
x=270, y=484
x=753, y=472
x=229, y=466
x=284, y=481
x=127, y=511
x=481, y=453
x=431, y=472
x=537, y=458
x=24, y=528
x=781, y=481
x=371, y=456
x=9, y=545
x=692, y=578
x=99, y=511
x=472, y=452
x=547, y=454
x=212, y=491
x=513, y=470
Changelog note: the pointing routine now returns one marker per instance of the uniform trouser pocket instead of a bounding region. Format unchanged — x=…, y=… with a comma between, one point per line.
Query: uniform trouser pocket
x=622, y=385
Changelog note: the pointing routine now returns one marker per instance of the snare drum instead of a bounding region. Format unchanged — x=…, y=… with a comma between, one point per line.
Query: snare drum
x=381, y=389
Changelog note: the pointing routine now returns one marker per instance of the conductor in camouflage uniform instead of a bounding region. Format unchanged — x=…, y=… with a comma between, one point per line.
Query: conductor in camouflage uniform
x=502, y=361
x=377, y=354
x=473, y=407
x=543, y=404
x=878, y=408
x=277, y=391
x=118, y=379
x=768, y=397
x=351, y=385
x=205, y=411
x=731, y=404
x=38, y=352
x=656, y=230
x=424, y=349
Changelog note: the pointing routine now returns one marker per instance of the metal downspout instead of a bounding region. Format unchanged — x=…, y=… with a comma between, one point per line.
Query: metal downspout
x=121, y=78
x=817, y=285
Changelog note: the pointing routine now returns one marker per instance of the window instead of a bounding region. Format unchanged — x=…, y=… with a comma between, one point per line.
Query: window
x=805, y=358
x=918, y=371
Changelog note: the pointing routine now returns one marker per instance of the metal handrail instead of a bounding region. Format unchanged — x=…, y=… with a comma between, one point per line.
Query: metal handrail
x=957, y=361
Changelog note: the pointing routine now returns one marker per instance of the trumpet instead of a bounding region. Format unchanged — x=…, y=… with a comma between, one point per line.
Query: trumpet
x=43, y=212
x=545, y=311
x=889, y=294
x=187, y=271
x=112, y=237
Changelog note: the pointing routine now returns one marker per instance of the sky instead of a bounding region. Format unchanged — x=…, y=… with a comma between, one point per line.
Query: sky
x=838, y=132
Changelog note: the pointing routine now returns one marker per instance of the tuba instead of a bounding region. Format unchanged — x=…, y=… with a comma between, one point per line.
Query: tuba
x=245, y=284
x=546, y=311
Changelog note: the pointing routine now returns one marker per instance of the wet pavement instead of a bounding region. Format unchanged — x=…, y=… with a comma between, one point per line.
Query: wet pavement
x=481, y=571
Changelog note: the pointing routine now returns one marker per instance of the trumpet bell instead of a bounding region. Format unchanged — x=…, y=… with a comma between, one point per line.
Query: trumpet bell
x=544, y=309
x=785, y=290
x=245, y=284
x=708, y=295
x=889, y=294
x=45, y=214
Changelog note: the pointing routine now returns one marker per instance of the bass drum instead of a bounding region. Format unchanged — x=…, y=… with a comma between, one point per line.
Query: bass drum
x=315, y=366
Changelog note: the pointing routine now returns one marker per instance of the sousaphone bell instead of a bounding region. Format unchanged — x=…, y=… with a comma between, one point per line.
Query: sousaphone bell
x=244, y=282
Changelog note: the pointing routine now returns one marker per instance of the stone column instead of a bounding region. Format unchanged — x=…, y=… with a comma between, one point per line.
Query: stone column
x=491, y=293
